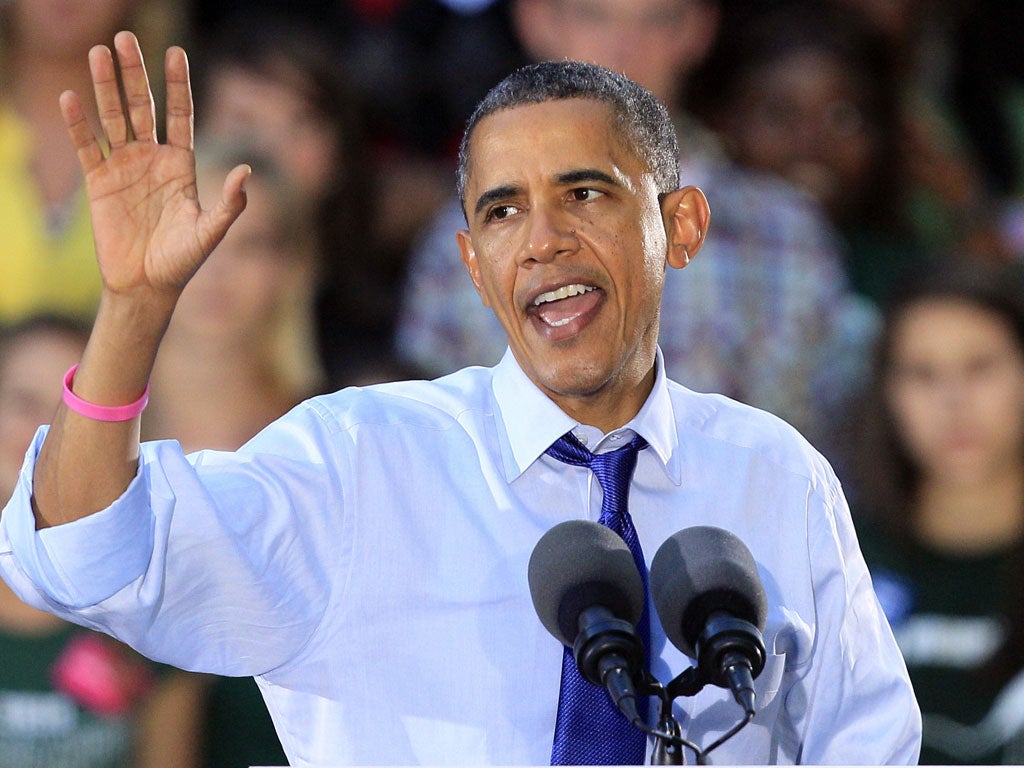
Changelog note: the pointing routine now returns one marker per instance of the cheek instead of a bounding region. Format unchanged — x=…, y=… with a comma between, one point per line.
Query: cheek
x=261, y=285
x=764, y=147
x=654, y=241
x=853, y=161
x=311, y=164
x=497, y=289
x=914, y=413
x=1000, y=410
x=497, y=273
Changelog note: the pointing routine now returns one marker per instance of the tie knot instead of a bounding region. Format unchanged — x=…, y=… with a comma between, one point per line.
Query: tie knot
x=613, y=469
x=570, y=450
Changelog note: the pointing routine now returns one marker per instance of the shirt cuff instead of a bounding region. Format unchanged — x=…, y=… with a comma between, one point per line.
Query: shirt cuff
x=81, y=563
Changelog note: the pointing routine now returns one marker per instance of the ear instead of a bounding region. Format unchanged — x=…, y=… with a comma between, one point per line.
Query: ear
x=468, y=254
x=687, y=216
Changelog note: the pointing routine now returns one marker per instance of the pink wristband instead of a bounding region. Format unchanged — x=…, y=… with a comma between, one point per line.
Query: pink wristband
x=101, y=412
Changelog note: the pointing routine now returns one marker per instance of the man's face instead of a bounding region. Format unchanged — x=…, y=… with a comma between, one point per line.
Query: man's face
x=567, y=245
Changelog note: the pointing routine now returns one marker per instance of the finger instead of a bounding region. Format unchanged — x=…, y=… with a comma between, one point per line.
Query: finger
x=138, y=95
x=179, y=99
x=89, y=152
x=108, y=98
x=216, y=222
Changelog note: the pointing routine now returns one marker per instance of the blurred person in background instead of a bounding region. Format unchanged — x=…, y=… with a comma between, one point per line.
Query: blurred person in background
x=70, y=697
x=950, y=197
x=938, y=498
x=32, y=349
x=276, y=79
x=764, y=315
x=45, y=234
x=821, y=93
x=244, y=330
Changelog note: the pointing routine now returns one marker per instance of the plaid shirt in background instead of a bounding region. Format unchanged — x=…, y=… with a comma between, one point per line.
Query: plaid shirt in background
x=763, y=313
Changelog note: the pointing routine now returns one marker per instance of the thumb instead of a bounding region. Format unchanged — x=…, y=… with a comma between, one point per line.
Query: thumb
x=215, y=222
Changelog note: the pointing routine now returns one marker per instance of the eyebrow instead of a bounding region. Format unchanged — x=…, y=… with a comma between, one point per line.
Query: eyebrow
x=579, y=176
x=587, y=174
x=495, y=194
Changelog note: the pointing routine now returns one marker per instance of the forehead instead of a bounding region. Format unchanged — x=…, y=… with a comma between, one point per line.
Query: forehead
x=543, y=140
x=596, y=11
x=948, y=325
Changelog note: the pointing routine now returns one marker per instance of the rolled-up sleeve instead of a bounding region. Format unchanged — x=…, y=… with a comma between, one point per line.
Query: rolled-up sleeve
x=111, y=548
x=217, y=562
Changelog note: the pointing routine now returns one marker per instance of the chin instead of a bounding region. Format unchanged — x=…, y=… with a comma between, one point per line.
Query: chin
x=575, y=379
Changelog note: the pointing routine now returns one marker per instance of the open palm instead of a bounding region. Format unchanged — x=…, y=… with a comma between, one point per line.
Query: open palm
x=149, y=228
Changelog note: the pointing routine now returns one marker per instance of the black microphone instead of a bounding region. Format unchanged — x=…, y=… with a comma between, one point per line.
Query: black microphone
x=709, y=597
x=588, y=593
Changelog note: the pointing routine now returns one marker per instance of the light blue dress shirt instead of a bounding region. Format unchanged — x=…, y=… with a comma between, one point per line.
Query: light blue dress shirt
x=366, y=558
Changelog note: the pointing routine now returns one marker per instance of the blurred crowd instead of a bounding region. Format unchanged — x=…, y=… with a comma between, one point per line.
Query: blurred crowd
x=863, y=279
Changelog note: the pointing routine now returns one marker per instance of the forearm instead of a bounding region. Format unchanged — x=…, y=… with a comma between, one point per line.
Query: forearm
x=151, y=235
x=85, y=464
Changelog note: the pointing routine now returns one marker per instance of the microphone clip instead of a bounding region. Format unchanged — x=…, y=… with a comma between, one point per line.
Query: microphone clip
x=730, y=654
x=602, y=634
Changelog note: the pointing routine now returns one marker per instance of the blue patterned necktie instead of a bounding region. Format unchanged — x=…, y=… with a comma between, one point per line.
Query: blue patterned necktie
x=589, y=729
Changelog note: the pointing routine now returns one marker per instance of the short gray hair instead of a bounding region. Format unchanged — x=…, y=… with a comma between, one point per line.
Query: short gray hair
x=644, y=121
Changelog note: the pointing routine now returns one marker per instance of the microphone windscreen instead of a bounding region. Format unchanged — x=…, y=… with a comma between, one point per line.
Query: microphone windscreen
x=699, y=571
x=579, y=564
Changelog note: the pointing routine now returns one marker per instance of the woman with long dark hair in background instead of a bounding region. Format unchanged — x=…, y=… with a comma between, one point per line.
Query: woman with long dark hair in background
x=939, y=493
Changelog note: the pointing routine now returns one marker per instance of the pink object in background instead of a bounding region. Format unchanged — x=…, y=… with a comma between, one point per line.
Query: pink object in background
x=100, y=676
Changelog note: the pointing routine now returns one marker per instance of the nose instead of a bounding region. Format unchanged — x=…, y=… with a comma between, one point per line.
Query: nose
x=953, y=391
x=548, y=235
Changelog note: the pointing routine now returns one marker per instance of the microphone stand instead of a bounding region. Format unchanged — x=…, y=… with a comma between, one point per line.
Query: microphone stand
x=668, y=747
x=668, y=739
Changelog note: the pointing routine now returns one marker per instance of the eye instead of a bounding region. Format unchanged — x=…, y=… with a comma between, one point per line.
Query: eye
x=585, y=194
x=981, y=365
x=499, y=212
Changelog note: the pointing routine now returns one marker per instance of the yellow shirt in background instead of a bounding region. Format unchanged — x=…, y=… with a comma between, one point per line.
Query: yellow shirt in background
x=40, y=270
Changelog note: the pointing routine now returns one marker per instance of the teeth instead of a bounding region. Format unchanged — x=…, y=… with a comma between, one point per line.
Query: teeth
x=562, y=293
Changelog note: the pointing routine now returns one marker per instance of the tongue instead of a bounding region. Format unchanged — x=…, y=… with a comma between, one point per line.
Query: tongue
x=554, y=312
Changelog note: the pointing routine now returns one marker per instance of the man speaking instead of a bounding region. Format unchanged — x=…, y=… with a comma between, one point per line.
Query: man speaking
x=366, y=556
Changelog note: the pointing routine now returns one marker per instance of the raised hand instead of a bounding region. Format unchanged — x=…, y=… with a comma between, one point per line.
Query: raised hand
x=151, y=236
x=151, y=233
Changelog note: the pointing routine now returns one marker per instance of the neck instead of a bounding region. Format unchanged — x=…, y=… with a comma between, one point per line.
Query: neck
x=610, y=408
x=972, y=518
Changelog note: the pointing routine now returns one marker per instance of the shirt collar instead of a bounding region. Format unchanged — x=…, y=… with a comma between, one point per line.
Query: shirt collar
x=532, y=421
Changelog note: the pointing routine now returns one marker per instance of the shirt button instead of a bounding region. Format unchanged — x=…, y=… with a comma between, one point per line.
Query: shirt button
x=581, y=437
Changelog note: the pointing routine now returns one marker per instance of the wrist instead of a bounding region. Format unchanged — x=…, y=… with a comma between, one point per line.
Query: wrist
x=101, y=412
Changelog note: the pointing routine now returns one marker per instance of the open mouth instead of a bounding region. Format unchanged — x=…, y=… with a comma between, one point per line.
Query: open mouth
x=560, y=307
